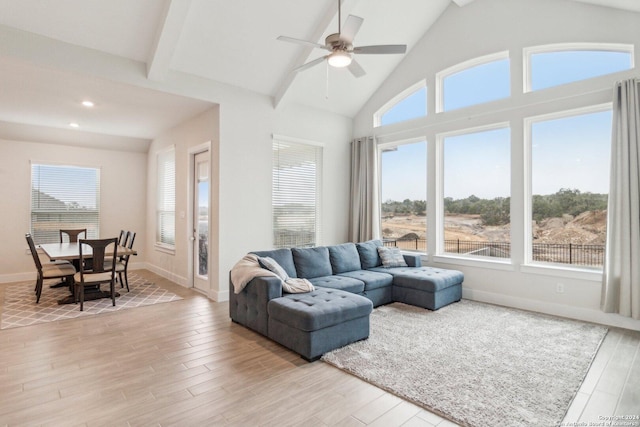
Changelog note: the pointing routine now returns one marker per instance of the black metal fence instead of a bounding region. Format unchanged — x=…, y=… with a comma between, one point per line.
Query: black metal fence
x=469, y=247
x=561, y=253
x=569, y=253
x=407, y=244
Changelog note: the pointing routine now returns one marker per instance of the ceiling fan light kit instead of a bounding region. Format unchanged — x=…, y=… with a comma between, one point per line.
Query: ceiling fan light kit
x=339, y=59
x=341, y=47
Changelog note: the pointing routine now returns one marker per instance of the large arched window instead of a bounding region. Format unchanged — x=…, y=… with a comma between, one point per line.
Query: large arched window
x=558, y=64
x=556, y=142
x=409, y=104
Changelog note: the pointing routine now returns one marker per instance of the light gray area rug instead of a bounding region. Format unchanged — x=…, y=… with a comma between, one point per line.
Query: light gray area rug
x=476, y=364
x=20, y=309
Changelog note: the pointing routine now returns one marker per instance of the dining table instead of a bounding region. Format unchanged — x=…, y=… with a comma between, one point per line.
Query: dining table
x=71, y=252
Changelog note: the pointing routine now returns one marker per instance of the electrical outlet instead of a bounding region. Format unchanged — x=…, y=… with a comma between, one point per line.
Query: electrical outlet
x=560, y=288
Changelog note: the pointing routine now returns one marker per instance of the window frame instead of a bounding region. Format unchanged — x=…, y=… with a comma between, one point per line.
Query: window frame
x=528, y=52
x=98, y=171
x=318, y=184
x=440, y=254
x=383, y=146
x=161, y=245
x=401, y=96
x=462, y=66
x=528, y=123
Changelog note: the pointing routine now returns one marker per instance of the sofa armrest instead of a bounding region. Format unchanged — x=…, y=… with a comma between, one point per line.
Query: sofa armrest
x=249, y=307
x=413, y=260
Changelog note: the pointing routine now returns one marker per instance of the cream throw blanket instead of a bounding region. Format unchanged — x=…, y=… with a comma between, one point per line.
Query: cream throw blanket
x=248, y=268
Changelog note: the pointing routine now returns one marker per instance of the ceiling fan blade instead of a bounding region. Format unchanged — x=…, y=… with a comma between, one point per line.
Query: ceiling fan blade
x=303, y=42
x=350, y=28
x=310, y=63
x=378, y=49
x=356, y=69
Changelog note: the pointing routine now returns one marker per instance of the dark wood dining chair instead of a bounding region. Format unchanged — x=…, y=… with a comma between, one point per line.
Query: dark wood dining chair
x=50, y=270
x=46, y=262
x=122, y=238
x=102, y=270
x=73, y=235
x=123, y=261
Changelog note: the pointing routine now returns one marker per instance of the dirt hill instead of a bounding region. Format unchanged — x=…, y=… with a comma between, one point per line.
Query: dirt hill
x=586, y=228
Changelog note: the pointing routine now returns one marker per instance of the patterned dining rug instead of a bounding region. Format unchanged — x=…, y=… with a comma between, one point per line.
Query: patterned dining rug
x=20, y=308
x=476, y=364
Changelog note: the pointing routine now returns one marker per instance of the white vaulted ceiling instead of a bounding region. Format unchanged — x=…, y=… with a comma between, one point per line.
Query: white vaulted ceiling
x=222, y=42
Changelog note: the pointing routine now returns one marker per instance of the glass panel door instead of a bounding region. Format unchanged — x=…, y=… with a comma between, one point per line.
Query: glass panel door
x=201, y=221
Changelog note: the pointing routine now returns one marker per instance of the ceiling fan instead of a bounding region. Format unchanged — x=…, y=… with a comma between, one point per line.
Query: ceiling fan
x=341, y=47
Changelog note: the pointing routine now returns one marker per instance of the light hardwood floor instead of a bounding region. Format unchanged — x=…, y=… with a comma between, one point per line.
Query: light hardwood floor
x=184, y=363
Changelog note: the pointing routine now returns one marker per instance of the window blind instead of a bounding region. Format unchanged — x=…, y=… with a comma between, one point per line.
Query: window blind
x=166, y=217
x=296, y=194
x=64, y=197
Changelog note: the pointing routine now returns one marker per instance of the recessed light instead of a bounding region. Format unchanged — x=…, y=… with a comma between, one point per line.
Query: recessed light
x=74, y=125
x=88, y=103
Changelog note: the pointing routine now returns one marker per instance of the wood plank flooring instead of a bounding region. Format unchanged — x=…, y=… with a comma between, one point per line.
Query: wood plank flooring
x=186, y=364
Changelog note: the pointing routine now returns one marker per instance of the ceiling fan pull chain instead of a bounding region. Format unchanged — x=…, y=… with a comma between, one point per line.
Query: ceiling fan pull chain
x=326, y=88
x=339, y=19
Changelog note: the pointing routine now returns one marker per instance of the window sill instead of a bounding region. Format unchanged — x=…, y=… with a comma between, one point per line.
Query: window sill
x=563, y=271
x=171, y=250
x=482, y=262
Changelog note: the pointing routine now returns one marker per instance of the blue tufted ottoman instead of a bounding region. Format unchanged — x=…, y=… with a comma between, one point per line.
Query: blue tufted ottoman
x=425, y=287
x=314, y=323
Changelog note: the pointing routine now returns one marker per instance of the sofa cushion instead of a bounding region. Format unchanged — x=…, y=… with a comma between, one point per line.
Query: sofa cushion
x=344, y=257
x=391, y=257
x=284, y=257
x=368, y=252
x=271, y=265
x=423, y=278
x=372, y=279
x=319, y=309
x=348, y=284
x=312, y=262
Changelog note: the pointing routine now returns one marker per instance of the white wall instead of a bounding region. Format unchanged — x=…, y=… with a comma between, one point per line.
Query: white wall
x=240, y=131
x=122, y=197
x=247, y=123
x=196, y=131
x=485, y=27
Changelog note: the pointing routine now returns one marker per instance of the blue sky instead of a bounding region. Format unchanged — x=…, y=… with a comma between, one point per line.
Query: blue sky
x=203, y=194
x=478, y=164
x=571, y=152
x=404, y=173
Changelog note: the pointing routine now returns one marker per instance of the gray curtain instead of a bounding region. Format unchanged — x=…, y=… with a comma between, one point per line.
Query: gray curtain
x=364, y=209
x=621, y=278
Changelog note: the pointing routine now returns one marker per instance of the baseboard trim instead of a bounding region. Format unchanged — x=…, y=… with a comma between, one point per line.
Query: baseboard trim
x=220, y=296
x=182, y=281
x=577, y=313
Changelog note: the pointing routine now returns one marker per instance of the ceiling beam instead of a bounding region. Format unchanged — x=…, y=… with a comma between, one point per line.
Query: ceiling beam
x=331, y=13
x=166, y=40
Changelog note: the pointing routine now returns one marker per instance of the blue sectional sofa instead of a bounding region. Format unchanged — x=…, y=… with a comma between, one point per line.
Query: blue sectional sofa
x=350, y=279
